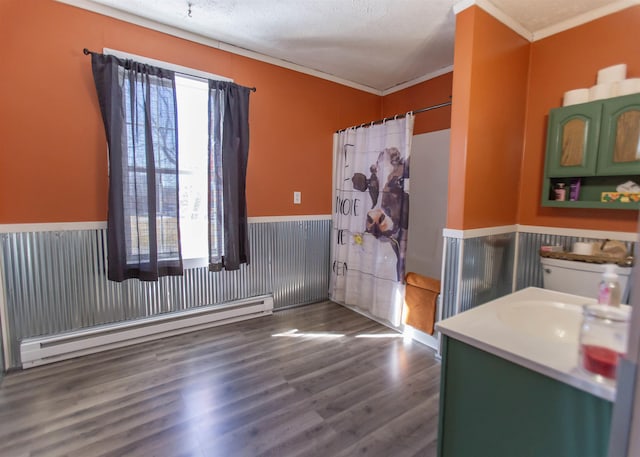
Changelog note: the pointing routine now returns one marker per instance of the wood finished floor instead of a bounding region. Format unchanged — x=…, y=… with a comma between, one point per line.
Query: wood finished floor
x=234, y=390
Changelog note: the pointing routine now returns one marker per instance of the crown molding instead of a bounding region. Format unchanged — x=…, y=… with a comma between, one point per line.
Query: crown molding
x=498, y=14
x=584, y=18
x=462, y=5
x=419, y=80
x=562, y=26
x=196, y=38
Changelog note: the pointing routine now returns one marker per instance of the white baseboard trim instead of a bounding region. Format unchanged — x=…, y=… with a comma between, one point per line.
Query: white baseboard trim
x=52, y=227
x=517, y=228
x=422, y=337
x=99, y=225
x=478, y=232
x=309, y=217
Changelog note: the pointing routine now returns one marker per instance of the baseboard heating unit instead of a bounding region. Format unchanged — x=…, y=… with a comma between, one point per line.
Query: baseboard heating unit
x=49, y=349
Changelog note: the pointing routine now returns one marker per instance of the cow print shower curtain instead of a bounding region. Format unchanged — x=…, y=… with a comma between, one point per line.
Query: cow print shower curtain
x=370, y=217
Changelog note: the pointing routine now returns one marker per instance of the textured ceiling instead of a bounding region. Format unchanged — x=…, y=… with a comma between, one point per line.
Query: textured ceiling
x=535, y=15
x=375, y=43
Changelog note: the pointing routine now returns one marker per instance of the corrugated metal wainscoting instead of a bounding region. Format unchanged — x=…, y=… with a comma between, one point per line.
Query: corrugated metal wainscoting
x=480, y=269
x=450, y=278
x=476, y=270
x=55, y=281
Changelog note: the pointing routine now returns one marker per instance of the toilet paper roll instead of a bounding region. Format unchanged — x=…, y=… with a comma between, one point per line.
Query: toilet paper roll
x=600, y=91
x=612, y=73
x=582, y=248
x=628, y=86
x=575, y=96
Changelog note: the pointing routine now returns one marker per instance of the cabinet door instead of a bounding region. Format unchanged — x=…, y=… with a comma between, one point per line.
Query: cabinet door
x=490, y=407
x=572, y=141
x=620, y=136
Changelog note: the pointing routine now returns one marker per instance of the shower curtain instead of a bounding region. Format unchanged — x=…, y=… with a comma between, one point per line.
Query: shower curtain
x=370, y=217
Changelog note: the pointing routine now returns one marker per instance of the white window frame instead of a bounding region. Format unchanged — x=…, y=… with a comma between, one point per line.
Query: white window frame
x=167, y=65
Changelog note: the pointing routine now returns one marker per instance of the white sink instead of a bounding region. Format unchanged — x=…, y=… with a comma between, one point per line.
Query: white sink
x=548, y=320
x=534, y=328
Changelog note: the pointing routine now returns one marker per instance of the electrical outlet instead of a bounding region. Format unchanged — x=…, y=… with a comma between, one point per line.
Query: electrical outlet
x=297, y=198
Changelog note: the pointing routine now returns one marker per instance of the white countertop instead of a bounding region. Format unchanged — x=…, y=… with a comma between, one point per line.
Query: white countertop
x=535, y=328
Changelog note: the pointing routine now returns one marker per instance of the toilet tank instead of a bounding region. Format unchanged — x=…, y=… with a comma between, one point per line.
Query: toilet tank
x=580, y=278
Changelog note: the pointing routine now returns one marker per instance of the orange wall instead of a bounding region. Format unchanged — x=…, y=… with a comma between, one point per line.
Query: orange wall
x=427, y=93
x=487, y=123
x=53, y=165
x=570, y=60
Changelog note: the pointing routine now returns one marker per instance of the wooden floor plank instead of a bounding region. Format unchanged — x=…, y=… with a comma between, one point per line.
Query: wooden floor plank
x=318, y=380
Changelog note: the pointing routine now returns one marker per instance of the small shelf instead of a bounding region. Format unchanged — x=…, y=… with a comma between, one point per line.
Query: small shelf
x=591, y=188
x=592, y=204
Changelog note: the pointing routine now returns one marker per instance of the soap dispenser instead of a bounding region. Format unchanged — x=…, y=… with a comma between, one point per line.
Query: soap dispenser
x=609, y=291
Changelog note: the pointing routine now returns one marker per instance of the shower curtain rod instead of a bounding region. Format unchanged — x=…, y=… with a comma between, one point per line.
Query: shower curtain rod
x=380, y=121
x=87, y=52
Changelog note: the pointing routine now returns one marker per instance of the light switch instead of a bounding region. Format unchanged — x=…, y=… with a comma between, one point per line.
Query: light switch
x=297, y=198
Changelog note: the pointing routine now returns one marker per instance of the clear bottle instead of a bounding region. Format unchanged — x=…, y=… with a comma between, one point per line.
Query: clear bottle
x=603, y=339
x=560, y=191
x=609, y=291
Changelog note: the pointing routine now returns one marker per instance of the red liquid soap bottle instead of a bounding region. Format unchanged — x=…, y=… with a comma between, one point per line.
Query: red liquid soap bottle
x=603, y=339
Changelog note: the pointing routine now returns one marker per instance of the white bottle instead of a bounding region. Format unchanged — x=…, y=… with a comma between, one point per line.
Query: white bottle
x=609, y=291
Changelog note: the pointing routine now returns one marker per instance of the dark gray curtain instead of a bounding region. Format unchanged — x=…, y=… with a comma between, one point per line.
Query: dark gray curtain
x=138, y=104
x=228, y=156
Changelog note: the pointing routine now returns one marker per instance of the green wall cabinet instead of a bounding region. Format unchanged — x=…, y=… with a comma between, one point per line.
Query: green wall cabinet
x=492, y=407
x=598, y=142
x=619, y=138
x=572, y=142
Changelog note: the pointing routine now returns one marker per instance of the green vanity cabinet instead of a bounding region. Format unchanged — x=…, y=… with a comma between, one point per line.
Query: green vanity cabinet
x=598, y=142
x=572, y=142
x=492, y=407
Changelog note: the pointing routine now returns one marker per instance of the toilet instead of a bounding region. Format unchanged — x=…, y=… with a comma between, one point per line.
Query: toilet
x=580, y=278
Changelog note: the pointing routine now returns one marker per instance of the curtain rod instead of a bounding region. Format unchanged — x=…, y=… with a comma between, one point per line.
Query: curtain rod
x=380, y=121
x=87, y=52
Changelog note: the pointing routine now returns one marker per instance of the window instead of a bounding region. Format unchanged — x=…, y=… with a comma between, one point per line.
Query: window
x=166, y=203
x=192, y=97
x=192, y=109
x=149, y=117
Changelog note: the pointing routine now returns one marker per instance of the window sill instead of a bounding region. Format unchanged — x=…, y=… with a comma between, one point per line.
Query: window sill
x=189, y=264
